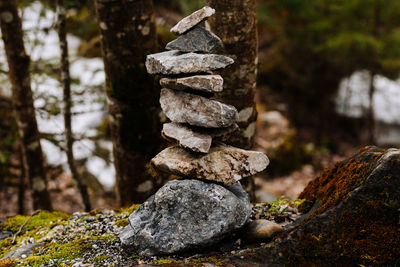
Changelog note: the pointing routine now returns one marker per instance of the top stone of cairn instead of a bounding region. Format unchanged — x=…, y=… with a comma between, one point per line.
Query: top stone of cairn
x=192, y=20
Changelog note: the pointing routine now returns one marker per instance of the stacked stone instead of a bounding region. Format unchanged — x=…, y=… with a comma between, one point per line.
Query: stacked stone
x=199, y=126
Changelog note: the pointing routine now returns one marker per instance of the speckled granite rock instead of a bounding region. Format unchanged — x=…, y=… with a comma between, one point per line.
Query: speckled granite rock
x=196, y=40
x=196, y=110
x=205, y=83
x=175, y=62
x=224, y=164
x=186, y=214
x=192, y=20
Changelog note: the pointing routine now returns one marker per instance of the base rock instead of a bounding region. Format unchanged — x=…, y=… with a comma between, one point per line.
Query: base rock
x=186, y=214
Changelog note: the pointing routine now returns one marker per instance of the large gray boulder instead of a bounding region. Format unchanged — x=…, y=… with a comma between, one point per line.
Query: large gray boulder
x=196, y=40
x=175, y=62
x=224, y=164
x=186, y=214
x=192, y=20
x=196, y=110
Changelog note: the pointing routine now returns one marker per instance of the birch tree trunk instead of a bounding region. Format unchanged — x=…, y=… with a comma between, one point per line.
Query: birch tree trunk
x=235, y=22
x=66, y=81
x=128, y=34
x=18, y=63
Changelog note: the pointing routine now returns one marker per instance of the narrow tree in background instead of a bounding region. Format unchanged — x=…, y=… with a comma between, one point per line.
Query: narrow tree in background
x=66, y=81
x=235, y=23
x=18, y=63
x=128, y=34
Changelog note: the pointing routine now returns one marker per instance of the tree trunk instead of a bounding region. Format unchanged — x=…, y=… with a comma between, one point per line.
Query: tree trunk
x=18, y=63
x=128, y=35
x=66, y=81
x=235, y=22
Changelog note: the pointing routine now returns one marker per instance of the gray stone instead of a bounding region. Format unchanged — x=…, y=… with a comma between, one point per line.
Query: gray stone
x=259, y=230
x=205, y=83
x=22, y=251
x=184, y=215
x=192, y=20
x=224, y=164
x=196, y=40
x=220, y=134
x=196, y=110
x=187, y=137
x=175, y=62
x=5, y=234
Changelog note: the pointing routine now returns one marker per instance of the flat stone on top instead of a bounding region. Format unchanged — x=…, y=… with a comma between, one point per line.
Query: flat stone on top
x=175, y=62
x=192, y=20
x=196, y=40
x=223, y=163
x=196, y=110
x=187, y=137
x=206, y=83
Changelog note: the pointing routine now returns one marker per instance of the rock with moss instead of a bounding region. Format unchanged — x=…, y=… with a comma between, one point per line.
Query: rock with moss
x=353, y=219
x=184, y=215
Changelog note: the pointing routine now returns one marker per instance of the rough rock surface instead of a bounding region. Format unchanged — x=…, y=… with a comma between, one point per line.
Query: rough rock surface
x=196, y=40
x=175, y=62
x=186, y=214
x=205, y=83
x=22, y=252
x=224, y=164
x=353, y=218
x=187, y=137
x=192, y=20
x=196, y=110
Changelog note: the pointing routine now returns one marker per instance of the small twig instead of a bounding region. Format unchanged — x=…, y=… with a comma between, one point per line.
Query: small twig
x=22, y=226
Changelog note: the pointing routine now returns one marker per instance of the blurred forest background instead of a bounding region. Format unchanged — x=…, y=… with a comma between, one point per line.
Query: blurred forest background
x=327, y=84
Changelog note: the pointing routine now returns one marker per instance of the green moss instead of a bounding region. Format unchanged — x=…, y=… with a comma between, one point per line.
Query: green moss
x=56, y=251
x=165, y=262
x=43, y=219
x=7, y=263
x=122, y=222
x=105, y=237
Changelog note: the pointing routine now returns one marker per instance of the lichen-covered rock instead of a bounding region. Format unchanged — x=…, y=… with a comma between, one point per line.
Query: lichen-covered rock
x=192, y=20
x=187, y=137
x=175, y=62
x=186, y=214
x=205, y=83
x=196, y=110
x=353, y=217
x=224, y=164
x=196, y=40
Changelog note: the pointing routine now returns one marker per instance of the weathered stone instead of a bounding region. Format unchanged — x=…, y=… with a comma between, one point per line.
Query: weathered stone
x=192, y=20
x=220, y=134
x=196, y=110
x=187, y=138
x=206, y=83
x=259, y=230
x=223, y=163
x=196, y=40
x=175, y=62
x=184, y=215
x=22, y=252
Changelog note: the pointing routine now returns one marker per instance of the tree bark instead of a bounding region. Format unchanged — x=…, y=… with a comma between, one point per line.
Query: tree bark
x=371, y=123
x=18, y=63
x=235, y=22
x=66, y=81
x=128, y=35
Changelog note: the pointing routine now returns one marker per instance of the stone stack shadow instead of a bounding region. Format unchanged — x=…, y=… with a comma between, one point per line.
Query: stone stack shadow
x=208, y=203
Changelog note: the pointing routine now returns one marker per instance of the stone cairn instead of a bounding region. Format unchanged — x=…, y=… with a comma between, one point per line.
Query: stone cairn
x=209, y=203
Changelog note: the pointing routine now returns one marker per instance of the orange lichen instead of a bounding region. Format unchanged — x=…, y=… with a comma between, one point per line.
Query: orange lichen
x=333, y=185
